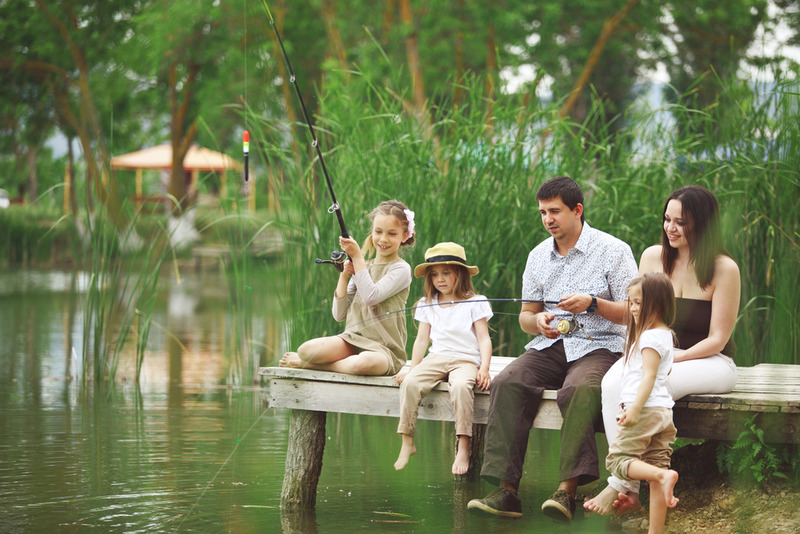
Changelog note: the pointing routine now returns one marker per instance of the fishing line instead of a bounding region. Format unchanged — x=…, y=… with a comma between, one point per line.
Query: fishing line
x=335, y=208
x=418, y=306
x=224, y=464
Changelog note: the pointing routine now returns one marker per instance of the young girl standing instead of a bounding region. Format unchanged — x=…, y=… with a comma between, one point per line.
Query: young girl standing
x=461, y=349
x=641, y=450
x=367, y=346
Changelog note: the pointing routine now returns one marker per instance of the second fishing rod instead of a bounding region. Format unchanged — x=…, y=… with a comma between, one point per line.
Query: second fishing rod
x=337, y=258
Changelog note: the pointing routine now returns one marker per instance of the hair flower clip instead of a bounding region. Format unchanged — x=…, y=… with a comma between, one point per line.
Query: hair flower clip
x=410, y=218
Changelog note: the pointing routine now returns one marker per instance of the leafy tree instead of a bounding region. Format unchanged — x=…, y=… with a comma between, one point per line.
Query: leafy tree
x=710, y=41
x=64, y=53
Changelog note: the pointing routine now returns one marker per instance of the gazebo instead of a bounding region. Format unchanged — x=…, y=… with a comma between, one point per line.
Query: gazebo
x=197, y=159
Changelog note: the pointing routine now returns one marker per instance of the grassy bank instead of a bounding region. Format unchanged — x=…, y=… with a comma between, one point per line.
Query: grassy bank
x=471, y=176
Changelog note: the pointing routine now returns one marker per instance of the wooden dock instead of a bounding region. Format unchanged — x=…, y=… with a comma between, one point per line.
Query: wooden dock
x=770, y=391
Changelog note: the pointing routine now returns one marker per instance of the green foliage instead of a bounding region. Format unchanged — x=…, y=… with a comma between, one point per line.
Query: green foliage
x=35, y=235
x=750, y=457
x=121, y=294
x=471, y=177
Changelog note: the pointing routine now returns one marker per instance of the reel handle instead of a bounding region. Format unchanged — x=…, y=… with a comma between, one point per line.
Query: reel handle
x=337, y=260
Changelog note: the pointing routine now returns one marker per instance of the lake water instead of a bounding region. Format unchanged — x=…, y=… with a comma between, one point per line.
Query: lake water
x=192, y=447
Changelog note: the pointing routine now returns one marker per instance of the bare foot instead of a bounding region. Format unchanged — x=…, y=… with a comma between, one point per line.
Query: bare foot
x=406, y=452
x=603, y=502
x=290, y=359
x=626, y=502
x=461, y=463
x=668, y=479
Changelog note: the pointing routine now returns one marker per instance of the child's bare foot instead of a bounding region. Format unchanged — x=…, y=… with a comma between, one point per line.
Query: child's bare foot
x=627, y=502
x=461, y=463
x=668, y=479
x=406, y=452
x=290, y=359
x=603, y=502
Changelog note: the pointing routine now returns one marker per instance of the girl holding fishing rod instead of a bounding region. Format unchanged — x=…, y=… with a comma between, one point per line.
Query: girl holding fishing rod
x=461, y=349
x=365, y=290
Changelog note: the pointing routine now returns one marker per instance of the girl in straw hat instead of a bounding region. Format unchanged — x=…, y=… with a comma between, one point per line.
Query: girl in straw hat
x=455, y=320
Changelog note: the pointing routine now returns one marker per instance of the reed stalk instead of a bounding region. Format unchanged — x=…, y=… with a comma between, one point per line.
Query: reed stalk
x=472, y=178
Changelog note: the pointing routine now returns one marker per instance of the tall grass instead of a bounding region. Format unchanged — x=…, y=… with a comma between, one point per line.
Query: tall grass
x=240, y=231
x=473, y=180
x=34, y=235
x=120, y=297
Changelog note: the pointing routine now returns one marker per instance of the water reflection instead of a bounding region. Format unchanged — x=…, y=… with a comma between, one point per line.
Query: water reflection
x=193, y=450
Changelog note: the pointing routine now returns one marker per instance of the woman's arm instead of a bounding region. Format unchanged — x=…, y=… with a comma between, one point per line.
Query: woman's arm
x=724, y=311
x=650, y=262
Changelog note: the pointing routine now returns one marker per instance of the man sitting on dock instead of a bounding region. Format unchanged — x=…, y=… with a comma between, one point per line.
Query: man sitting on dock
x=578, y=279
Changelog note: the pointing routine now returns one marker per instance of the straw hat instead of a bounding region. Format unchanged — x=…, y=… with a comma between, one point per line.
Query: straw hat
x=444, y=253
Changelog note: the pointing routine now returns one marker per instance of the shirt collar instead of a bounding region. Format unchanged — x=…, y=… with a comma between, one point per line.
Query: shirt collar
x=582, y=245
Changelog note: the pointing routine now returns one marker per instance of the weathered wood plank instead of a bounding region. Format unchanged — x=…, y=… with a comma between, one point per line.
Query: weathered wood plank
x=384, y=401
x=770, y=390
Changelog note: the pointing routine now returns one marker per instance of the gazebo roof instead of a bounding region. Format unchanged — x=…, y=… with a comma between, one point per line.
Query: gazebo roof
x=160, y=157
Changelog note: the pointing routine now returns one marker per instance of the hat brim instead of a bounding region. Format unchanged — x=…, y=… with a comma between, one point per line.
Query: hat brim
x=422, y=269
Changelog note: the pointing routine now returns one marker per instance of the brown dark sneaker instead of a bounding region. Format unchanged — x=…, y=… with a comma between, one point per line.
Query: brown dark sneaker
x=500, y=502
x=560, y=507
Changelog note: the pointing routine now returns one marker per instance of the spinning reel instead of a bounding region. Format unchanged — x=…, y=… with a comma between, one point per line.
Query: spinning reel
x=337, y=260
x=570, y=325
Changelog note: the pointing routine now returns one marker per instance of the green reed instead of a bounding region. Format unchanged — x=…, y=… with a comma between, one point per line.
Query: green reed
x=241, y=232
x=471, y=176
x=34, y=235
x=121, y=294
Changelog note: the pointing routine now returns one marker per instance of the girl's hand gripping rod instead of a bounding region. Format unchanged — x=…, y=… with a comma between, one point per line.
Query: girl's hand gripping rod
x=337, y=257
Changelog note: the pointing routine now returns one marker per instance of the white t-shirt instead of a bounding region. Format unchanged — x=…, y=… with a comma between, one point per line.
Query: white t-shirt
x=452, y=329
x=660, y=340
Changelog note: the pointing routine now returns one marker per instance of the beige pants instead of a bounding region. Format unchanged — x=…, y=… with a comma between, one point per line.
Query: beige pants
x=648, y=440
x=460, y=374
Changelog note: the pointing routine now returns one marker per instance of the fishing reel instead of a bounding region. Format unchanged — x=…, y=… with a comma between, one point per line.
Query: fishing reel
x=569, y=325
x=337, y=260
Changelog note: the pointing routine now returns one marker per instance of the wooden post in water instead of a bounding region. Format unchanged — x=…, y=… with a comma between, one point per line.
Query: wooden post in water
x=303, y=459
x=476, y=451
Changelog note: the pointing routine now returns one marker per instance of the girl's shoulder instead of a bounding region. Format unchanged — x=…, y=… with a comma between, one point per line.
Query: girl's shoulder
x=657, y=337
x=400, y=263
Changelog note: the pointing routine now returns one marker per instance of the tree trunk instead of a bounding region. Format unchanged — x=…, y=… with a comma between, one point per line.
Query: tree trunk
x=291, y=117
x=459, y=53
x=388, y=20
x=335, y=45
x=609, y=27
x=32, y=182
x=181, y=135
x=412, y=57
x=491, y=77
x=88, y=127
x=303, y=459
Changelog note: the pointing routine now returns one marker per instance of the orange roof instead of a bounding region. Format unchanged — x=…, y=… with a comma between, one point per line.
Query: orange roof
x=160, y=157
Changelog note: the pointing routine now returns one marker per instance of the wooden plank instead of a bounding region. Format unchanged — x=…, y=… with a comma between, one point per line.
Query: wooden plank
x=769, y=390
x=385, y=401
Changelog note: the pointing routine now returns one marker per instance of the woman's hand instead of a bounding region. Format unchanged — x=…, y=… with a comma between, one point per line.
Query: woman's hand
x=399, y=377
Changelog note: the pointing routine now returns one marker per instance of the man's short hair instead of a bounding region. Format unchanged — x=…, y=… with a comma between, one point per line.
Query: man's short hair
x=564, y=188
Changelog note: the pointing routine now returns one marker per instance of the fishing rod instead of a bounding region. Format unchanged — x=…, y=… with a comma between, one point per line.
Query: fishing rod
x=566, y=326
x=337, y=257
